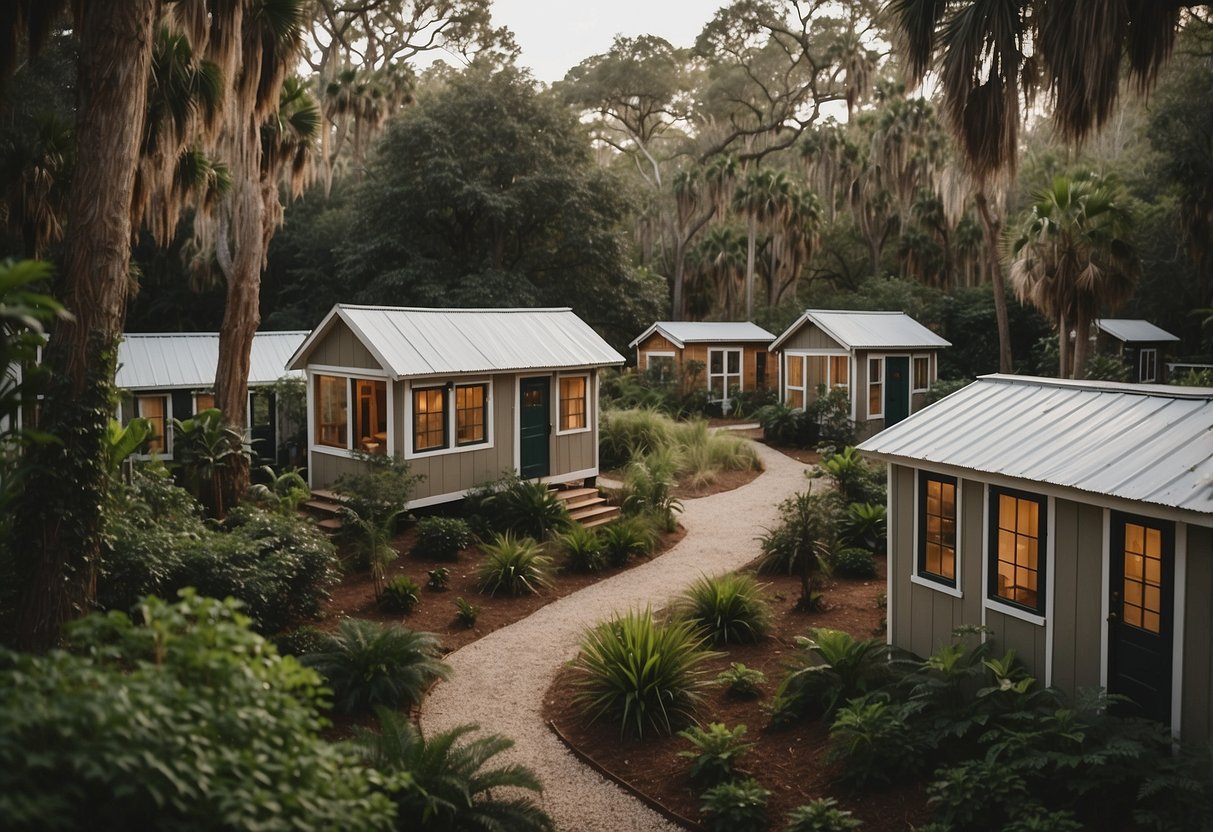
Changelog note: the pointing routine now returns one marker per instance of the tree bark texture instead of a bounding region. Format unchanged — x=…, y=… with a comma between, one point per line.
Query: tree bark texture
x=59, y=528
x=993, y=228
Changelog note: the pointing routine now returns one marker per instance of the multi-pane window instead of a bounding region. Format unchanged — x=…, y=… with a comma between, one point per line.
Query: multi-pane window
x=370, y=415
x=922, y=372
x=471, y=414
x=203, y=401
x=1147, y=363
x=1142, y=603
x=429, y=418
x=937, y=528
x=839, y=371
x=875, y=386
x=1017, y=548
x=155, y=410
x=332, y=411
x=795, y=381
x=573, y=408
x=724, y=372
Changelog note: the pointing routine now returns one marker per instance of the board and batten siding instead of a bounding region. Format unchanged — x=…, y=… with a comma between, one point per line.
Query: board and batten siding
x=698, y=351
x=1077, y=594
x=342, y=348
x=326, y=468
x=575, y=451
x=1196, y=702
x=810, y=337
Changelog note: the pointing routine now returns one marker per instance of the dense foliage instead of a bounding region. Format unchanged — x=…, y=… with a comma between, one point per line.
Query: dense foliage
x=441, y=538
x=729, y=608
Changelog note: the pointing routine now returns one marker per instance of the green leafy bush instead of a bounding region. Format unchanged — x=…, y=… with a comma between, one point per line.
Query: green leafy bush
x=863, y=526
x=438, y=578
x=821, y=815
x=513, y=566
x=281, y=493
x=828, y=669
x=188, y=720
x=204, y=445
x=858, y=481
x=381, y=490
x=584, y=549
x=446, y=782
x=642, y=673
x=801, y=543
x=626, y=538
x=831, y=412
x=729, y=608
x=790, y=426
x=742, y=681
x=872, y=740
x=511, y=505
x=300, y=641
x=716, y=751
x=441, y=538
x=400, y=595
x=740, y=806
x=466, y=613
x=366, y=664
x=854, y=563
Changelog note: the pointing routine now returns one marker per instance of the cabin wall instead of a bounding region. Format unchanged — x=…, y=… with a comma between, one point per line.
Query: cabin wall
x=810, y=337
x=1196, y=698
x=342, y=348
x=656, y=343
x=1077, y=594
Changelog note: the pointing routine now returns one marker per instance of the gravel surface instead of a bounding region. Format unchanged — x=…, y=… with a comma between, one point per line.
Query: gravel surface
x=500, y=680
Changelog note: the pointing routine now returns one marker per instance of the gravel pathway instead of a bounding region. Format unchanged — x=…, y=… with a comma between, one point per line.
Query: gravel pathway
x=499, y=681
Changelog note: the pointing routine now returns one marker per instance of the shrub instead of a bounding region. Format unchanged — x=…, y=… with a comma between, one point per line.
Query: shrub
x=382, y=490
x=441, y=538
x=204, y=445
x=831, y=412
x=854, y=563
x=513, y=566
x=648, y=488
x=187, y=720
x=300, y=641
x=509, y=504
x=783, y=425
x=466, y=613
x=627, y=537
x=644, y=674
x=438, y=578
x=829, y=668
x=584, y=550
x=625, y=434
x=858, y=481
x=740, y=806
x=801, y=543
x=401, y=595
x=281, y=493
x=1106, y=367
x=366, y=664
x=715, y=753
x=729, y=608
x=863, y=526
x=945, y=387
x=977, y=794
x=821, y=815
x=446, y=783
x=872, y=740
x=743, y=681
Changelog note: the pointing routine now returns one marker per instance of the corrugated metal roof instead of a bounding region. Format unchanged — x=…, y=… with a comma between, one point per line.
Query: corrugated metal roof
x=422, y=342
x=1140, y=442
x=691, y=332
x=867, y=330
x=1133, y=330
x=188, y=359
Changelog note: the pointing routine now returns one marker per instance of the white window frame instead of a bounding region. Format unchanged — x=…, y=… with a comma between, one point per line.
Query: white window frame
x=1142, y=354
x=879, y=360
x=649, y=356
x=198, y=393
x=349, y=375
x=588, y=415
x=914, y=359
x=448, y=385
x=167, y=453
x=725, y=374
x=924, y=579
x=787, y=376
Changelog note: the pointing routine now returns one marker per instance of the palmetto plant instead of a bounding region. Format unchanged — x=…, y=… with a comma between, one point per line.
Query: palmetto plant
x=513, y=565
x=282, y=492
x=715, y=752
x=729, y=608
x=801, y=543
x=205, y=445
x=830, y=667
x=372, y=539
x=449, y=785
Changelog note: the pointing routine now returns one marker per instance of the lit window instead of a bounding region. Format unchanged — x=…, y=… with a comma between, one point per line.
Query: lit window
x=795, y=381
x=429, y=418
x=922, y=373
x=332, y=411
x=370, y=415
x=1142, y=604
x=1017, y=557
x=573, y=415
x=471, y=413
x=155, y=410
x=839, y=371
x=203, y=401
x=937, y=528
x=875, y=386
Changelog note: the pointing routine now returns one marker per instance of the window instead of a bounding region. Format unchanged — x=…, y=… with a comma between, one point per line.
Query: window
x=875, y=386
x=332, y=411
x=203, y=401
x=937, y=528
x=1147, y=365
x=429, y=418
x=1142, y=606
x=660, y=364
x=724, y=372
x=840, y=366
x=370, y=415
x=922, y=373
x=1017, y=558
x=471, y=414
x=573, y=404
x=795, y=382
x=155, y=410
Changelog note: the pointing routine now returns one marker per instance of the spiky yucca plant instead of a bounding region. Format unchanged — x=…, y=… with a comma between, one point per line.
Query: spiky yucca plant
x=513, y=565
x=729, y=608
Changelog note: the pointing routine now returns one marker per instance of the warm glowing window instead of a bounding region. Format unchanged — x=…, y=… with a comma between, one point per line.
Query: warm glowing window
x=1142, y=605
x=203, y=401
x=332, y=411
x=573, y=406
x=429, y=418
x=839, y=371
x=155, y=410
x=937, y=528
x=370, y=415
x=875, y=386
x=795, y=381
x=922, y=372
x=471, y=414
x=1017, y=541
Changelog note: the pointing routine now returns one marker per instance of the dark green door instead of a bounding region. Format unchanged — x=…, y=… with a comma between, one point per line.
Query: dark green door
x=1141, y=613
x=896, y=390
x=535, y=420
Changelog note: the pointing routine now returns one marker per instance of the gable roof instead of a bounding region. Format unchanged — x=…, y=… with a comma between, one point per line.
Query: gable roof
x=409, y=341
x=1133, y=330
x=1141, y=442
x=189, y=359
x=692, y=332
x=867, y=330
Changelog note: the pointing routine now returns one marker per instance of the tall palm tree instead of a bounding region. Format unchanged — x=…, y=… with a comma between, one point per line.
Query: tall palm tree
x=699, y=195
x=35, y=172
x=1072, y=259
x=793, y=244
x=721, y=257
x=763, y=199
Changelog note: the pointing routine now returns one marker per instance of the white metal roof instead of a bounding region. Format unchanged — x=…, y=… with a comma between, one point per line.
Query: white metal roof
x=690, y=332
x=867, y=330
x=422, y=342
x=1138, y=442
x=189, y=359
x=1134, y=330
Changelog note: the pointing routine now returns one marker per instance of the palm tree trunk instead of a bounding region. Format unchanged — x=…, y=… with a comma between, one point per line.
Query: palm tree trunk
x=993, y=227
x=59, y=525
x=1065, y=365
x=1082, y=331
x=750, y=252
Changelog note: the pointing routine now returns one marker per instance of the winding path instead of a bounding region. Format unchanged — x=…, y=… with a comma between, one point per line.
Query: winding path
x=499, y=681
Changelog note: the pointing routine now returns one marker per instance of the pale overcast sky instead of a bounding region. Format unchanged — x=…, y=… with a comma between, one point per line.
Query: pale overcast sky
x=556, y=35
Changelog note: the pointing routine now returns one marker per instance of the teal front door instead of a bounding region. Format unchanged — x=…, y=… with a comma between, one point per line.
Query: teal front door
x=896, y=389
x=535, y=428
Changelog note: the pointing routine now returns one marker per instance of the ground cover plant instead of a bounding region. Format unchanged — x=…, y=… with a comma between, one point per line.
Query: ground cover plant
x=441, y=538
x=513, y=565
x=512, y=505
x=687, y=451
x=729, y=608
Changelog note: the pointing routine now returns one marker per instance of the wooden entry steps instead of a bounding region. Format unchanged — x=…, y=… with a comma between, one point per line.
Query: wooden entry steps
x=325, y=508
x=586, y=506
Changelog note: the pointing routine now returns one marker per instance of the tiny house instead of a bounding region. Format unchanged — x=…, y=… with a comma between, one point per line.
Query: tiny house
x=734, y=355
x=1074, y=520
x=1139, y=344
x=886, y=361
x=462, y=395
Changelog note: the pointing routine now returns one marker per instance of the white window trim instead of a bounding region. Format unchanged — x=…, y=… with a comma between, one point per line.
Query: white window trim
x=994, y=604
x=1141, y=370
x=914, y=359
x=649, y=356
x=787, y=377
x=915, y=576
x=449, y=386
x=725, y=374
x=876, y=414
x=586, y=397
x=167, y=453
x=348, y=452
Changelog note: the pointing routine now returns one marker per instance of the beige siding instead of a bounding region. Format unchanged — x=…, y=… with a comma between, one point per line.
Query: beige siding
x=575, y=451
x=972, y=548
x=326, y=468
x=900, y=530
x=1197, y=698
x=1077, y=590
x=341, y=348
x=859, y=393
x=1024, y=637
x=810, y=337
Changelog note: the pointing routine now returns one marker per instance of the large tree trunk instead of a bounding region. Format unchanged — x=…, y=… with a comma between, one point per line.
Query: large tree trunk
x=1082, y=332
x=1065, y=366
x=750, y=252
x=59, y=525
x=993, y=228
